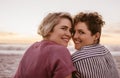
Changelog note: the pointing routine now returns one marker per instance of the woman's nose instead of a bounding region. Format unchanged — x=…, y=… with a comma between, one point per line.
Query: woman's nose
x=68, y=33
x=75, y=35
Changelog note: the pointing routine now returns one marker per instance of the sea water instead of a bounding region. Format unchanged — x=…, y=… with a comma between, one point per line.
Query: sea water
x=21, y=48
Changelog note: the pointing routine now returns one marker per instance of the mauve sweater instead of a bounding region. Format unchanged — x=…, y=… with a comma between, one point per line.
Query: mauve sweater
x=45, y=59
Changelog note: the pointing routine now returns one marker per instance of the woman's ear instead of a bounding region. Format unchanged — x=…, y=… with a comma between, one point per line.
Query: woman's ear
x=97, y=36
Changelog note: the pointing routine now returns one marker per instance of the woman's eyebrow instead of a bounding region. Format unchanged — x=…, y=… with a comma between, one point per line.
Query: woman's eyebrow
x=66, y=26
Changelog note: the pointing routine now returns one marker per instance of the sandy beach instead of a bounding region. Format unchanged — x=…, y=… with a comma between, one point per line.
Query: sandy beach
x=9, y=63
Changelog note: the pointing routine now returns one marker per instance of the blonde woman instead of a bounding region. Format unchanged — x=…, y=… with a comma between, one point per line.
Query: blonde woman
x=49, y=58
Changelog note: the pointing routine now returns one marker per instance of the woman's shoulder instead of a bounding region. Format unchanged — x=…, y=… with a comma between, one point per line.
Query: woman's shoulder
x=50, y=46
x=57, y=47
x=90, y=51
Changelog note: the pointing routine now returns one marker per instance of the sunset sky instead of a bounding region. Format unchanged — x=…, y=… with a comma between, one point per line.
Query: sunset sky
x=22, y=17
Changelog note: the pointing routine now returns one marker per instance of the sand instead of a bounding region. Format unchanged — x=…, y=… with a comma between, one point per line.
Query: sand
x=9, y=63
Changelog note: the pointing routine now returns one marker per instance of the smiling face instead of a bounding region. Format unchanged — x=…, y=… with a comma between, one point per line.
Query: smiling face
x=83, y=36
x=61, y=32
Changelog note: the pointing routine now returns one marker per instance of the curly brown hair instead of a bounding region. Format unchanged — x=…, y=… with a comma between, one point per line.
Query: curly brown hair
x=93, y=20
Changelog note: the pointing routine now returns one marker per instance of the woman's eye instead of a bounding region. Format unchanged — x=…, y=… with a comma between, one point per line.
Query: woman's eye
x=80, y=32
x=64, y=28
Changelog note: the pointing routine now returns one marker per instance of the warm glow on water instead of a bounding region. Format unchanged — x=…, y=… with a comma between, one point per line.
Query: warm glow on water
x=16, y=43
x=111, y=39
x=19, y=39
x=26, y=39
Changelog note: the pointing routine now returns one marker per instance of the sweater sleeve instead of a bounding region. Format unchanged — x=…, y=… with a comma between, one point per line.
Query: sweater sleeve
x=60, y=62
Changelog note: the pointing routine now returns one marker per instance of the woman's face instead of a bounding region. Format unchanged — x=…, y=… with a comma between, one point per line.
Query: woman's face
x=61, y=32
x=82, y=36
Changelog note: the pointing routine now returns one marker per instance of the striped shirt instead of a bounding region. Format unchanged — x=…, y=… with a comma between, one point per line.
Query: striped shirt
x=95, y=61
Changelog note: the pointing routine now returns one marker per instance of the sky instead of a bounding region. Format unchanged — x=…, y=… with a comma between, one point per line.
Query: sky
x=24, y=16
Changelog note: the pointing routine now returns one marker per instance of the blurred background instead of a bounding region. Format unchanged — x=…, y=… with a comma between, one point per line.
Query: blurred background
x=19, y=20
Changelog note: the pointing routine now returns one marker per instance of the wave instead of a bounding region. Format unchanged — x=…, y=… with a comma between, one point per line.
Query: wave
x=14, y=46
x=21, y=48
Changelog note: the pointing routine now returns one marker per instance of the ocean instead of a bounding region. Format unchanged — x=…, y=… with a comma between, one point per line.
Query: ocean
x=11, y=54
x=21, y=48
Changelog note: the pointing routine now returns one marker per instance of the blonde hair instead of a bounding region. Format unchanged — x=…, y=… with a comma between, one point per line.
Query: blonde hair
x=50, y=21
